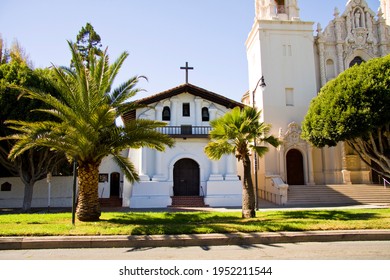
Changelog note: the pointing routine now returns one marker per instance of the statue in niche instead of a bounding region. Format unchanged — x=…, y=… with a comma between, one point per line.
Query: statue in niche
x=357, y=19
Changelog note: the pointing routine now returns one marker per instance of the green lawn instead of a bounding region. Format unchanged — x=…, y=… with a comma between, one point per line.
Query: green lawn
x=140, y=223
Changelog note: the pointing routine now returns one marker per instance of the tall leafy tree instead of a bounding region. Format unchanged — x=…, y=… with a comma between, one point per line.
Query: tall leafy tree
x=88, y=42
x=33, y=165
x=235, y=133
x=355, y=108
x=86, y=109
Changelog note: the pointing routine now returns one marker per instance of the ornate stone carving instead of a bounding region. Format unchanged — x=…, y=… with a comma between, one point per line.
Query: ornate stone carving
x=354, y=33
x=292, y=137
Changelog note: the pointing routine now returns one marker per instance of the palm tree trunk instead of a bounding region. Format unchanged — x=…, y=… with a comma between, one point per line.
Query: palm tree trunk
x=248, y=192
x=28, y=194
x=88, y=206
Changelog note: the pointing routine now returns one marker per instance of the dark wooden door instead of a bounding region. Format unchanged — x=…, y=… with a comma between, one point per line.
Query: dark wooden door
x=295, y=172
x=114, y=184
x=186, y=178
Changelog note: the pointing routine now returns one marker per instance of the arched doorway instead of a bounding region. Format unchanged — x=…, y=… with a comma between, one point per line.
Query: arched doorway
x=114, y=184
x=295, y=169
x=186, y=178
x=357, y=60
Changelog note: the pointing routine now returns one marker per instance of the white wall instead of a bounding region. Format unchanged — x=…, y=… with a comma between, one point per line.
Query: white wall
x=283, y=52
x=61, y=189
x=61, y=193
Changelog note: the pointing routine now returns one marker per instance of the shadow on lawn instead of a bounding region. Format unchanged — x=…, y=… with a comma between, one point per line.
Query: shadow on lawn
x=189, y=223
x=170, y=218
x=335, y=215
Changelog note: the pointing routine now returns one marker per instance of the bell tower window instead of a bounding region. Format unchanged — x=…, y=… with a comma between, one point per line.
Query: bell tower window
x=205, y=114
x=280, y=6
x=186, y=109
x=166, y=114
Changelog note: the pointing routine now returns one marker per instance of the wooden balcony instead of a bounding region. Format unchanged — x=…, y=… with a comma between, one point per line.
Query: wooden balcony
x=186, y=131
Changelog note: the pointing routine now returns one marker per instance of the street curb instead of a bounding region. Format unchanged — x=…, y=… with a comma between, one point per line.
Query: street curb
x=184, y=240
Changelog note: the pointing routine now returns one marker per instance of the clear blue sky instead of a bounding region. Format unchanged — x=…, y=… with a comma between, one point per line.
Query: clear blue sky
x=160, y=35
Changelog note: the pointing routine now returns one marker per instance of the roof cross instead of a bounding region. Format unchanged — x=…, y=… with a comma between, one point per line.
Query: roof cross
x=187, y=68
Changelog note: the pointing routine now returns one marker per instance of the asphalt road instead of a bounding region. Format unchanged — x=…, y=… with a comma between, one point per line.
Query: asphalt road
x=356, y=250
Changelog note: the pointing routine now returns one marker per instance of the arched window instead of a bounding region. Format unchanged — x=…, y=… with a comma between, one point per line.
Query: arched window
x=205, y=114
x=330, y=70
x=166, y=114
x=357, y=60
x=280, y=6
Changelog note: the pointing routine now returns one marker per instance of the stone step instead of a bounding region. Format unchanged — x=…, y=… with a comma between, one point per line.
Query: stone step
x=188, y=201
x=111, y=202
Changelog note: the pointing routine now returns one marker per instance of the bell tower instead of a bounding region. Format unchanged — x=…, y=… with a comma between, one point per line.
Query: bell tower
x=280, y=49
x=277, y=9
x=385, y=8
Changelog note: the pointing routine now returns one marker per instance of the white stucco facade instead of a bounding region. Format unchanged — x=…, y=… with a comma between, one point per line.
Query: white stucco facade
x=217, y=181
x=296, y=62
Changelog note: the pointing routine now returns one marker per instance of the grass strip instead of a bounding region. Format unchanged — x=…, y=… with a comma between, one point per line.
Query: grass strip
x=150, y=223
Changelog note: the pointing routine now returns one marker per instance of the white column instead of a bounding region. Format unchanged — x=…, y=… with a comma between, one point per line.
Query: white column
x=231, y=166
x=174, y=110
x=159, y=167
x=212, y=112
x=143, y=163
x=282, y=170
x=159, y=109
x=215, y=175
x=310, y=165
x=198, y=111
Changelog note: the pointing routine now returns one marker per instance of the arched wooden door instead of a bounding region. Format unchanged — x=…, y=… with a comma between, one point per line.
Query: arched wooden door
x=114, y=184
x=186, y=178
x=295, y=169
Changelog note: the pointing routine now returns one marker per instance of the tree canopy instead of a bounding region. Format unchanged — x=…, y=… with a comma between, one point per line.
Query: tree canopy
x=355, y=108
x=86, y=109
x=35, y=164
x=88, y=42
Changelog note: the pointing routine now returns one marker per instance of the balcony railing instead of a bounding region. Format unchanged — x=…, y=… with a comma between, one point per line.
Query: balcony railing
x=186, y=131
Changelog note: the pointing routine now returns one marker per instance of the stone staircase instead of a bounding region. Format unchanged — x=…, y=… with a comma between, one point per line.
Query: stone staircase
x=338, y=195
x=188, y=201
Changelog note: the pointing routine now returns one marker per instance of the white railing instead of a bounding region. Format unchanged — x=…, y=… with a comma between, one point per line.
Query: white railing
x=385, y=182
x=276, y=191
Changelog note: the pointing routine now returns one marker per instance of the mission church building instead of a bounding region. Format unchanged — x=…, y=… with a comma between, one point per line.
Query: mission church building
x=183, y=175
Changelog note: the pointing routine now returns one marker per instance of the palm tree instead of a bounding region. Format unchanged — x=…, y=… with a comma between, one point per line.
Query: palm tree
x=86, y=111
x=235, y=133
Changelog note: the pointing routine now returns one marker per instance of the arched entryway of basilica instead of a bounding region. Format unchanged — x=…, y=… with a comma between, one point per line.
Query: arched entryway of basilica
x=295, y=167
x=296, y=159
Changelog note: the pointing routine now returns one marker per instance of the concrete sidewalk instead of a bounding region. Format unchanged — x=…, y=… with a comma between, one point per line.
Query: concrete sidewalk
x=57, y=242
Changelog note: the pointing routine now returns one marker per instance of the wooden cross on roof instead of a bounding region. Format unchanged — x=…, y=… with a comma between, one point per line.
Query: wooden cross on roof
x=187, y=68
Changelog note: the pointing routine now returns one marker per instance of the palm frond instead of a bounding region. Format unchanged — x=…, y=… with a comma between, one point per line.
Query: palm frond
x=86, y=110
x=144, y=133
x=127, y=167
x=239, y=128
x=125, y=91
x=260, y=150
x=216, y=149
